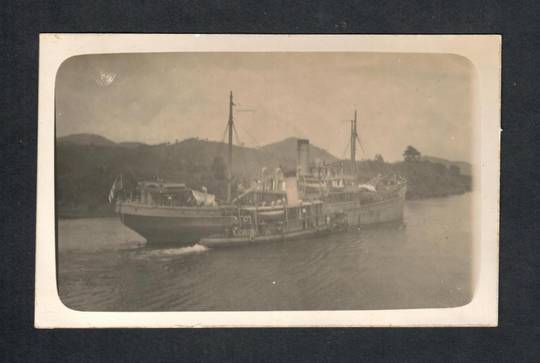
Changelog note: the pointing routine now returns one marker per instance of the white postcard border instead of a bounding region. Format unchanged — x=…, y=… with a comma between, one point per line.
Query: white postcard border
x=483, y=51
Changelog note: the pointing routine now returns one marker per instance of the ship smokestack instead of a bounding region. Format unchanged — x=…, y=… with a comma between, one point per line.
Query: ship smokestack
x=302, y=161
x=292, y=190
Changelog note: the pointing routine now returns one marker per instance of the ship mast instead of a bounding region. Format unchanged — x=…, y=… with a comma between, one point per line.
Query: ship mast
x=354, y=137
x=230, y=126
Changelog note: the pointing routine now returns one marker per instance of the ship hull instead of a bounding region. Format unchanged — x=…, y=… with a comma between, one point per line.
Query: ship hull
x=359, y=214
x=246, y=240
x=173, y=226
x=185, y=226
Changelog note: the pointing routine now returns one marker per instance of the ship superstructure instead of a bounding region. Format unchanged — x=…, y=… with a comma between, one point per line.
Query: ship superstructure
x=380, y=200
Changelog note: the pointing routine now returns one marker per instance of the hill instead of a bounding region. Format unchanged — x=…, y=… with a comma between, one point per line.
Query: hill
x=286, y=150
x=131, y=144
x=464, y=167
x=425, y=179
x=95, y=140
x=85, y=139
x=86, y=166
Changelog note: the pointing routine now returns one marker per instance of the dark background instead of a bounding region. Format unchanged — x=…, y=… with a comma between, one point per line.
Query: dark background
x=516, y=338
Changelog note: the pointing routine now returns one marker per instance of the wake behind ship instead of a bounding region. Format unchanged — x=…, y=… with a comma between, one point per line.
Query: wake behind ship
x=313, y=199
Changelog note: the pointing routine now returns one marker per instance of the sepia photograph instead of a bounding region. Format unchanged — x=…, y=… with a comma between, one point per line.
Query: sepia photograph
x=271, y=180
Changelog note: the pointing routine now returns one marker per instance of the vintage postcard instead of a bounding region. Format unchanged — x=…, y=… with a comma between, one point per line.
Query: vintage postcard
x=267, y=180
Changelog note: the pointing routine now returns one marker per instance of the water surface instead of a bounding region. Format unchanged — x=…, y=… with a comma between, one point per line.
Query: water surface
x=103, y=266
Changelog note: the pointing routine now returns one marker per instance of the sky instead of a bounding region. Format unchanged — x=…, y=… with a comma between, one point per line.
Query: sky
x=423, y=100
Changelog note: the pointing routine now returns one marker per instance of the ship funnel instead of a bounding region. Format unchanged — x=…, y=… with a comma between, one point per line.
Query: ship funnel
x=291, y=188
x=302, y=161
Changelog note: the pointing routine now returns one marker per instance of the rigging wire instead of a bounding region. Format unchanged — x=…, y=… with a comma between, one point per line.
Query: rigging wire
x=361, y=147
x=253, y=138
x=244, y=157
x=346, y=148
x=251, y=108
x=235, y=133
x=361, y=144
x=221, y=145
x=224, y=133
x=241, y=153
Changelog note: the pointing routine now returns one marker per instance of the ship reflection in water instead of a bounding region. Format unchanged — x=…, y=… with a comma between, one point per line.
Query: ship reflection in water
x=427, y=263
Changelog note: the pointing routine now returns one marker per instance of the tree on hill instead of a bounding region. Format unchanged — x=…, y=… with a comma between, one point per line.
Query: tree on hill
x=411, y=154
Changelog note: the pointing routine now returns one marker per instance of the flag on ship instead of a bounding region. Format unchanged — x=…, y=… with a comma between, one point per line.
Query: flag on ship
x=117, y=186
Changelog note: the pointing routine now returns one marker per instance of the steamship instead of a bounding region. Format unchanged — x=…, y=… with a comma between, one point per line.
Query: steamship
x=313, y=199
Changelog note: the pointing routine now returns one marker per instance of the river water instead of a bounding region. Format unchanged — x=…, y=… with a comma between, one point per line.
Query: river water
x=425, y=263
